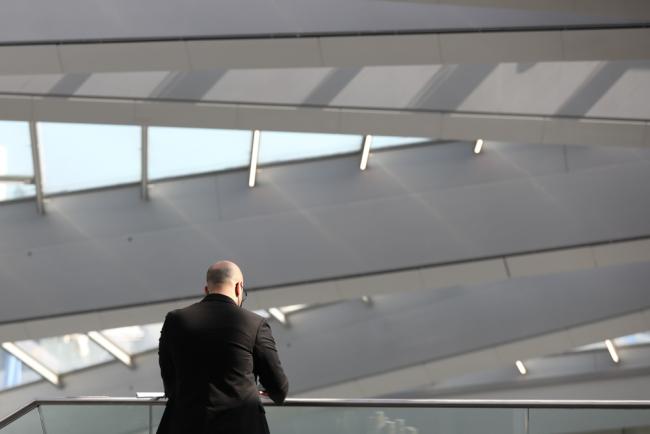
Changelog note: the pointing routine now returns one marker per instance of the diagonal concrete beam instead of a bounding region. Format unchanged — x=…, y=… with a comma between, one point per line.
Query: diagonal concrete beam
x=435, y=125
x=421, y=374
x=329, y=51
x=418, y=279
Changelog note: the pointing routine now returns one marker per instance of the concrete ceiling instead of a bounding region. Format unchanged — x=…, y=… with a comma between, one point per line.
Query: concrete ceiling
x=39, y=20
x=419, y=220
x=322, y=220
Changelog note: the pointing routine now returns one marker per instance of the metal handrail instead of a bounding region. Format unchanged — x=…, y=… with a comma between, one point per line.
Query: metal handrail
x=352, y=403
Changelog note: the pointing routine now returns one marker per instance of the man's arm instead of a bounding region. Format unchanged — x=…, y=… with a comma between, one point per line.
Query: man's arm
x=267, y=365
x=165, y=359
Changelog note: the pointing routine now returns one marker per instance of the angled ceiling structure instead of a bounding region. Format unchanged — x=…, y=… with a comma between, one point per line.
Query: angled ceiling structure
x=557, y=202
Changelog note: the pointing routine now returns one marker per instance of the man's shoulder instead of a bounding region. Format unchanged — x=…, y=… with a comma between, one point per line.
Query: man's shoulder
x=254, y=316
x=194, y=309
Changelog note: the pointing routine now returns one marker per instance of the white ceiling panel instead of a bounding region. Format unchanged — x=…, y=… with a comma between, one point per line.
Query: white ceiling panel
x=385, y=86
x=535, y=88
x=290, y=86
x=628, y=95
x=28, y=83
x=126, y=84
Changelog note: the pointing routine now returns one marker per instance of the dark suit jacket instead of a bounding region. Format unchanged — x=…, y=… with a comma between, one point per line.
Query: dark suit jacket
x=210, y=354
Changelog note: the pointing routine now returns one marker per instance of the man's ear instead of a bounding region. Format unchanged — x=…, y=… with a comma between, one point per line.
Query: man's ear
x=205, y=289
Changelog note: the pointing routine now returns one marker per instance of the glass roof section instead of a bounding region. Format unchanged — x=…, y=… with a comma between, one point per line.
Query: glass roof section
x=184, y=151
x=82, y=156
x=77, y=157
x=278, y=147
x=15, y=149
x=16, y=190
x=13, y=372
x=379, y=142
x=623, y=341
x=135, y=339
x=66, y=353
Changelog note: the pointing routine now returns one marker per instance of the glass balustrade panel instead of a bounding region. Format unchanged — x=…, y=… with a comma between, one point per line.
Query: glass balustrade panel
x=96, y=419
x=29, y=423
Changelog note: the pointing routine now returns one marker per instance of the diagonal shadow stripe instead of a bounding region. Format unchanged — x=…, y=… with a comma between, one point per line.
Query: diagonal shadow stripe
x=192, y=85
x=69, y=84
x=331, y=86
x=450, y=86
x=596, y=86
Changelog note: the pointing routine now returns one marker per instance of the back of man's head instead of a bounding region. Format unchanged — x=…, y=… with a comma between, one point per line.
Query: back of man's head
x=223, y=275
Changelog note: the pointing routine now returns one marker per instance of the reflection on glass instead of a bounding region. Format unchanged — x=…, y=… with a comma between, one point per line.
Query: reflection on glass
x=30, y=423
x=379, y=142
x=15, y=149
x=314, y=420
x=588, y=421
x=65, y=353
x=13, y=372
x=96, y=419
x=283, y=146
x=184, y=151
x=81, y=156
x=16, y=190
x=135, y=339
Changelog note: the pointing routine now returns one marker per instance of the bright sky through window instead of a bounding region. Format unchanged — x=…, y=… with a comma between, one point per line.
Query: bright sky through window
x=185, y=151
x=379, y=142
x=15, y=159
x=81, y=156
x=283, y=146
x=15, y=149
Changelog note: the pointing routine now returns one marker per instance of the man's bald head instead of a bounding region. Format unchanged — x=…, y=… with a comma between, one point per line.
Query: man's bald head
x=223, y=273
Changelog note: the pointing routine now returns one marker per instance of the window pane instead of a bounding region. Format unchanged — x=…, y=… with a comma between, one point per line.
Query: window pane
x=183, y=151
x=16, y=190
x=15, y=149
x=81, y=156
x=13, y=372
x=66, y=353
x=379, y=142
x=135, y=339
x=281, y=146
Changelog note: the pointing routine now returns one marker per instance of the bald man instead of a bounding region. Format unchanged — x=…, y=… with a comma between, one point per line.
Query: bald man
x=210, y=355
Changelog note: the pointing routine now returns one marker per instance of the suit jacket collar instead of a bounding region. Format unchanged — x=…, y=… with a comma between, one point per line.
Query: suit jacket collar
x=219, y=297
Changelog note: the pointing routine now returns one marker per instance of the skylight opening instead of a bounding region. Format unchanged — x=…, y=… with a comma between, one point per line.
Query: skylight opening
x=13, y=372
x=83, y=156
x=63, y=354
x=276, y=147
x=15, y=149
x=188, y=151
x=379, y=142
